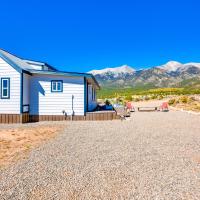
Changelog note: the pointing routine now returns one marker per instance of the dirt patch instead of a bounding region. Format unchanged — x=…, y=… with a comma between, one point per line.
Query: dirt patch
x=15, y=143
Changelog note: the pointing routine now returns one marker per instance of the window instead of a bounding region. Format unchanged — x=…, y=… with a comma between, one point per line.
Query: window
x=56, y=86
x=93, y=94
x=5, y=88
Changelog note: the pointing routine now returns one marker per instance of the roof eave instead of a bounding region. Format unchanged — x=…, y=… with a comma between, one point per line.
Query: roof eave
x=69, y=74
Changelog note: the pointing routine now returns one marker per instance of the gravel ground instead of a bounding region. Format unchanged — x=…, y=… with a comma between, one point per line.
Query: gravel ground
x=150, y=156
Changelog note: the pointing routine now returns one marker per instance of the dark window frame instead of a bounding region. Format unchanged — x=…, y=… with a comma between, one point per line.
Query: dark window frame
x=8, y=88
x=57, y=81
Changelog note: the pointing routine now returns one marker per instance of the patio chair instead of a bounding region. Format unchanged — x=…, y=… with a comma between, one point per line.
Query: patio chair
x=122, y=112
x=164, y=107
x=130, y=106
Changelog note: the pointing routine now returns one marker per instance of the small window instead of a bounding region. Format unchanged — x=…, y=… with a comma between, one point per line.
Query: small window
x=56, y=86
x=5, y=88
x=94, y=94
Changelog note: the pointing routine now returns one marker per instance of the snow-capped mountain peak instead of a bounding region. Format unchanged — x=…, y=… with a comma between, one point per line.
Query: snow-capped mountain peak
x=193, y=64
x=171, y=66
x=124, y=69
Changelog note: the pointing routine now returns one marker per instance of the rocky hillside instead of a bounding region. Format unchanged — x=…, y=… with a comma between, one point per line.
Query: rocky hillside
x=171, y=74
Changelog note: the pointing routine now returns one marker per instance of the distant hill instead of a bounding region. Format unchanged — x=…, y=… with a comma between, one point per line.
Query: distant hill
x=171, y=74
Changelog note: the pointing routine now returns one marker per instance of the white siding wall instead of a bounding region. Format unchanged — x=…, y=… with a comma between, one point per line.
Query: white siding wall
x=12, y=105
x=45, y=102
x=26, y=89
x=92, y=103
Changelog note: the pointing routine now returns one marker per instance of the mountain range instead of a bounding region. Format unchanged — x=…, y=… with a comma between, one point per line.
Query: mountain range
x=171, y=74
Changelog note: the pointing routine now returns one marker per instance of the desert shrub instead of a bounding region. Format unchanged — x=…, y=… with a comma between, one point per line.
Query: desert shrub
x=184, y=99
x=154, y=97
x=136, y=99
x=129, y=98
x=146, y=98
x=198, y=107
x=172, y=101
x=191, y=99
x=160, y=97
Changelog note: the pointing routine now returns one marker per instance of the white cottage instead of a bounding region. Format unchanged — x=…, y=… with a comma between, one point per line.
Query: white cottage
x=33, y=91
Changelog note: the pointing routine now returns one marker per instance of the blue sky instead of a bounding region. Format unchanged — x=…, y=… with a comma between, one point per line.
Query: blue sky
x=92, y=34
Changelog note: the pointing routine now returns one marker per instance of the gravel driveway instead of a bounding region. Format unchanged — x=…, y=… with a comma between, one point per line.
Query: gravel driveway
x=151, y=156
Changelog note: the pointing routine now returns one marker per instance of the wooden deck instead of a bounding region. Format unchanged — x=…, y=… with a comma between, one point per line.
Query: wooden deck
x=101, y=115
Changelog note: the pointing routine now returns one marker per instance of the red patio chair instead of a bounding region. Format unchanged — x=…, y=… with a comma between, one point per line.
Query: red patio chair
x=130, y=106
x=164, y=106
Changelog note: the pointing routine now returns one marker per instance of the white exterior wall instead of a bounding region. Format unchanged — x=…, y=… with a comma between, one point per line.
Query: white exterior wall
x=92, y=103
x=12, y=105
x=45, y=102
x=26, y=89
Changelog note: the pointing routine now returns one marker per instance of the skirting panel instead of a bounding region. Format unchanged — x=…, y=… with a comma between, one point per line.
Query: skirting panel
x=37, y=118
x=90, y=116
x=10, y=118
x=25, y=117
x=96, y=116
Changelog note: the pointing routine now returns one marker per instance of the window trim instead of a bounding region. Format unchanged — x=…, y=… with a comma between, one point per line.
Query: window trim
x=8, y=88
x=61, y=81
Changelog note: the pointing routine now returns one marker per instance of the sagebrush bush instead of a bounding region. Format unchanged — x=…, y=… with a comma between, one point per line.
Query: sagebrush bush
x=191, y=99
x=172, y=101
x=146, y=98
x=136, y=99
x=160, y=97
x=154, y=97
x=184, y=99
x=129, y=98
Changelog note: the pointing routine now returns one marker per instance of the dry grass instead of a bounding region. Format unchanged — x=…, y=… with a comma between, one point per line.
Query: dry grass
x=15, y=143
x=188, y=103
x=189, y=107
